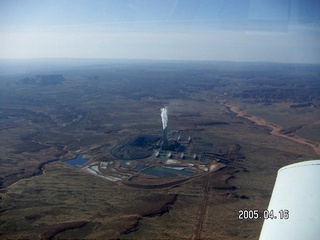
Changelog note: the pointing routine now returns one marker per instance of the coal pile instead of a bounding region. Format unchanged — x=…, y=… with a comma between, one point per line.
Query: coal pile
x=138, y=147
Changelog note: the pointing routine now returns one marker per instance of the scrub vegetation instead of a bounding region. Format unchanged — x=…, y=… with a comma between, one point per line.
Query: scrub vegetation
x=245, y=120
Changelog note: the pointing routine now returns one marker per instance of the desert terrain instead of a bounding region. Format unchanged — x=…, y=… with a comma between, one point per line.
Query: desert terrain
x=231, y=126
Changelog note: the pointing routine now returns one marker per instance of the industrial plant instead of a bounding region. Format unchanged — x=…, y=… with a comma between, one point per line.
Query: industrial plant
x=159, y=160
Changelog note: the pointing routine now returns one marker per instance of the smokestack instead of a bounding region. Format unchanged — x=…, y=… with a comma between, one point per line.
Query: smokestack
x=164, y=118
x=164, y=138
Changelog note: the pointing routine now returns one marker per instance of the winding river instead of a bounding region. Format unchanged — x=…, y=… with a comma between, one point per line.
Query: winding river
x=275, y=129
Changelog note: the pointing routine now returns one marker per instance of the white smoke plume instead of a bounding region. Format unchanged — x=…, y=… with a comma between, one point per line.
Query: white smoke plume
x=164, y=117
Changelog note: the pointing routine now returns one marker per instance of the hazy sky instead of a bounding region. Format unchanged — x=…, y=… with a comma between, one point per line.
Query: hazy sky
x=226, y=30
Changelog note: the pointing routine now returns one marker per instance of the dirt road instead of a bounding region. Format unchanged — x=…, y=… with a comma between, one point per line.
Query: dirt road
x=203, y=209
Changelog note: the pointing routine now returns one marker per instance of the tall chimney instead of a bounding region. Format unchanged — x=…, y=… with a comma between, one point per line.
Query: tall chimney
x=164, y=138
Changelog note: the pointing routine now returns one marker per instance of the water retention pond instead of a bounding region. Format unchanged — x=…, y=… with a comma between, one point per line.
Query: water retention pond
x=78, y=161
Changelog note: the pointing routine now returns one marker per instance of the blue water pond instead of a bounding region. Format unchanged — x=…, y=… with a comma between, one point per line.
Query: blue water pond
x=78, y=161
x=166, y=172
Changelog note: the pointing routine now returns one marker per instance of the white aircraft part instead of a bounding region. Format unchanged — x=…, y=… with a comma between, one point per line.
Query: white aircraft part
x=297, y=190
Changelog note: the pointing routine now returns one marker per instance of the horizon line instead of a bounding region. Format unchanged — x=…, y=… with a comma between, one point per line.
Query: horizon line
x=151, y=60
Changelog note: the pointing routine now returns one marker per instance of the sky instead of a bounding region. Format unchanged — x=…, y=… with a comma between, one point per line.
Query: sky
x=220, y=30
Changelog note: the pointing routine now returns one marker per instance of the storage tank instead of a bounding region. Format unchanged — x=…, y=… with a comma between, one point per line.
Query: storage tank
x=295, y=203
